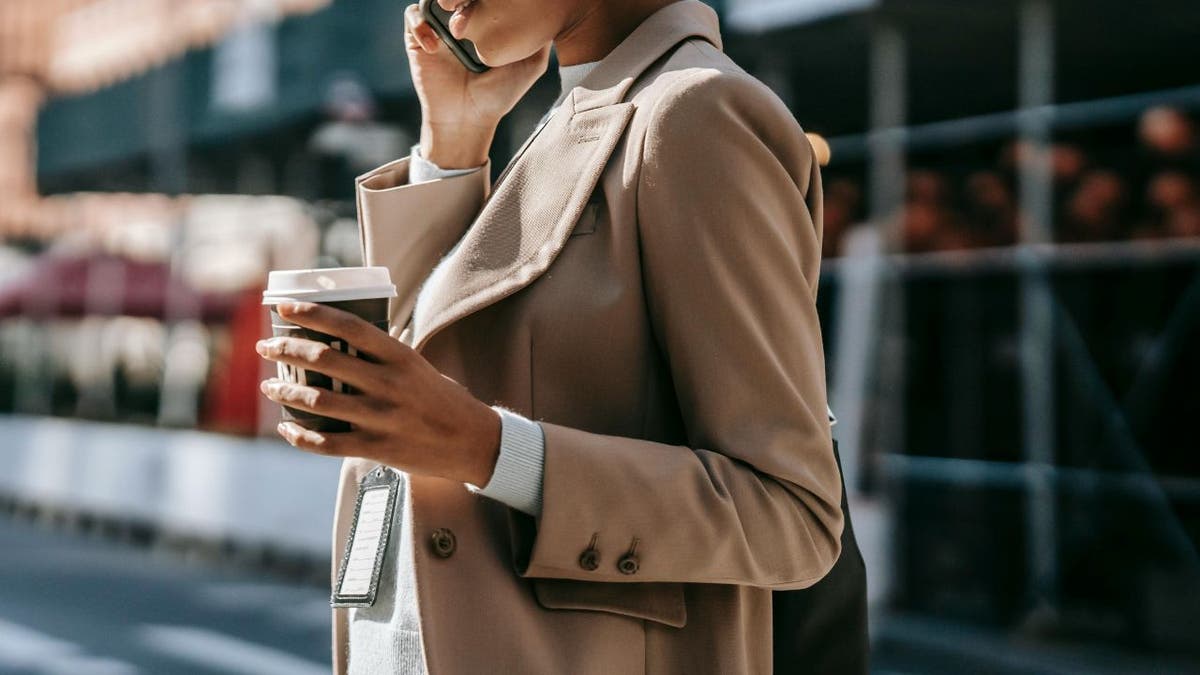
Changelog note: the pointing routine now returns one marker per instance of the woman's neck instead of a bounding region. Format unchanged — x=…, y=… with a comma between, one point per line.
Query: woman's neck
x=600, y=27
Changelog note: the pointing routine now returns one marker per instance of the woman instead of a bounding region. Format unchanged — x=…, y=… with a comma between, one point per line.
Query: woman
x=604, y=386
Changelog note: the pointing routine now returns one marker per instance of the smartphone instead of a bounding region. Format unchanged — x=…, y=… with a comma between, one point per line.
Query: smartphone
x=439, y=20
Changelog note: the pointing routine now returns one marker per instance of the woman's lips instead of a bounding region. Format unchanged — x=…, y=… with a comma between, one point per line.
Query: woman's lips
x=458, y=22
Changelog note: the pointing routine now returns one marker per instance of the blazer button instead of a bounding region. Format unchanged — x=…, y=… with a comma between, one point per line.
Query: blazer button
x=589, y=559
x=443, y=542
x=628, y=564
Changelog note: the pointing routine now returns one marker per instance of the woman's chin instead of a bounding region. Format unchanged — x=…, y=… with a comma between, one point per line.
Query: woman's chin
x=485, y=58
x=502, y=56
x=494, y=58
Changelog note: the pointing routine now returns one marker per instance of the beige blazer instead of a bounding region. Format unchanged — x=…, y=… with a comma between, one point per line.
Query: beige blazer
x=642, y=281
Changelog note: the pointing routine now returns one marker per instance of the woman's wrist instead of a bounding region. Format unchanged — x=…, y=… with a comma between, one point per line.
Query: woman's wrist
x=461, y=147
x=484, y=438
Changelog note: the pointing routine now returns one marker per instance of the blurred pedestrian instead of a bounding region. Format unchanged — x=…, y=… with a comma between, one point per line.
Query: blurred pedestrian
x=930, y=223
x=843, y=201
x=991, y=210
x=1168, y=194
x=1168, y=133
x=351, y=140
x=1096, y=211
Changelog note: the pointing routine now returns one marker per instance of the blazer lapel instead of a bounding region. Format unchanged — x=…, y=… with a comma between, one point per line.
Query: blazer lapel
x=522, y=228
x=535, y=203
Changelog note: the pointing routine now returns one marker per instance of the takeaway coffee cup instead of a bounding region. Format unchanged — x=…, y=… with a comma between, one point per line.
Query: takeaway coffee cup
x=363, y=291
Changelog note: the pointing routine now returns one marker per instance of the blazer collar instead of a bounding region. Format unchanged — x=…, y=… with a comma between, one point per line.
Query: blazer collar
x=529, y=214
x=610, y=81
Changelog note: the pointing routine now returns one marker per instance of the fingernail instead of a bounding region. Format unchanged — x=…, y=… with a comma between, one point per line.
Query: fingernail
x=296, y=307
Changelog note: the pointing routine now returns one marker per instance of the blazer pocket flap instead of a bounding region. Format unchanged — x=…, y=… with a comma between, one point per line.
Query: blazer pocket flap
x=587, y=220
x=653, y=601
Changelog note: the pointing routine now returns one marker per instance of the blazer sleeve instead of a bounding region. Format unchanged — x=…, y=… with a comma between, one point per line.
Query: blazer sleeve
x=409, y=227
x=729, y=212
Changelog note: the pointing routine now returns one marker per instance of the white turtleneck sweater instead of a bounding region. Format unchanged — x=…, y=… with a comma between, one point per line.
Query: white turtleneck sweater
x=386, y=637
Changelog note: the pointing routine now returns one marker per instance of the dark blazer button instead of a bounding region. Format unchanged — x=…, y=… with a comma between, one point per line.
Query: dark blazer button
x=443, y=542
x=628, y=564
x=589, y=559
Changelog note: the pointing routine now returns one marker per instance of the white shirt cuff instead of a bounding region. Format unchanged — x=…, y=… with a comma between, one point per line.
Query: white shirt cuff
x=517, y=478
x=421, y=170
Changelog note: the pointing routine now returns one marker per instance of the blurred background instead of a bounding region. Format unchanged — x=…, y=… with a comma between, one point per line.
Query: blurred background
x=1011, y=282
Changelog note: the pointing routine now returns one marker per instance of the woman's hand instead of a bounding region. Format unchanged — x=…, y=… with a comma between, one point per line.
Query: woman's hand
x=406, y=415
x=461, y=109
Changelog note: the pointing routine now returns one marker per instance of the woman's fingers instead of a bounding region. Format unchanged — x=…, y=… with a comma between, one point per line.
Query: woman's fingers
x=364, y=336
x=313, y=441
x=346, y=407
x=418, y=31
x=320, y=357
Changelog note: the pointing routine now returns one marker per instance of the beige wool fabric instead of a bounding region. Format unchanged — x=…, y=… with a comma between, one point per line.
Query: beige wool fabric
x=642, y=282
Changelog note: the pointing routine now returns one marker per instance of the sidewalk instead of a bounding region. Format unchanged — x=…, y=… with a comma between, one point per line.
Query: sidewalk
x=256, y=493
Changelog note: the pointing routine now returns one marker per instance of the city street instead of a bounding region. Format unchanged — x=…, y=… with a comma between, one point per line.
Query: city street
x=76, y=605
x=73, y=604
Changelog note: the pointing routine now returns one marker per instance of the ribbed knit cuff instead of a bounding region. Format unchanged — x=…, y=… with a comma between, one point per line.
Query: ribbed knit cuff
x=421, y=170
x=517, y=479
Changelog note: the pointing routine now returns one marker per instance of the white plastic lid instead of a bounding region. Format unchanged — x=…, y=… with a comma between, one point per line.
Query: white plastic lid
x=332, y=284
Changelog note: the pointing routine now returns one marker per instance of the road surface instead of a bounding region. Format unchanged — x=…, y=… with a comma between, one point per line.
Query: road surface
x=75, y=605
